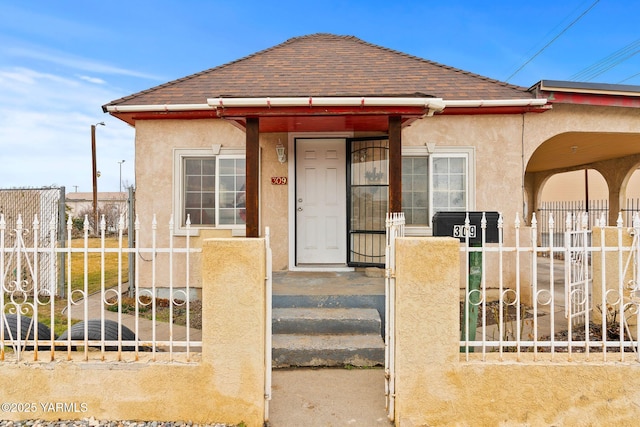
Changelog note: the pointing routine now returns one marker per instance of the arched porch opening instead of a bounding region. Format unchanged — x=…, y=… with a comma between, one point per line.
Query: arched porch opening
x=572, y=193
x=631, y=187
x=614, y=155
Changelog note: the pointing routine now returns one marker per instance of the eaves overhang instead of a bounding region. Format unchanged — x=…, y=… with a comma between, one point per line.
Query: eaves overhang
x=585, y=93
x=305, y=114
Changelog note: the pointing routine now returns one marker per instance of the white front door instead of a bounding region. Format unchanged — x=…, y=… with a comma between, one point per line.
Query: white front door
x=321, y=214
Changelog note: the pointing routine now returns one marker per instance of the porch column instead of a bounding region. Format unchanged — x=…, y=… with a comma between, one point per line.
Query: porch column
x=252, y=178
x=395, y=164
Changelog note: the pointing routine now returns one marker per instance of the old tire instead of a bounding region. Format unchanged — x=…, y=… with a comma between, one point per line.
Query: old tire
x=94, y=332
x=25, y=327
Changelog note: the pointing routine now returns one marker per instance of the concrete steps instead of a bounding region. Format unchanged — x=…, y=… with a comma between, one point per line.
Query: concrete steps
x=320, y=336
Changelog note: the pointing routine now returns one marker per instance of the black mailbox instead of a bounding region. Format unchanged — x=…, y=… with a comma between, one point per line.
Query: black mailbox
x=451, y=224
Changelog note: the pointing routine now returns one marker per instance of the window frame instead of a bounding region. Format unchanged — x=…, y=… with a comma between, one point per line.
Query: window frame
x=179, y=155
x=442, y=152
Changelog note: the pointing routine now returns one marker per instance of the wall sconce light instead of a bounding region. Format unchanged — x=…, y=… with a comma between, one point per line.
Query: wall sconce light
x=280, y=151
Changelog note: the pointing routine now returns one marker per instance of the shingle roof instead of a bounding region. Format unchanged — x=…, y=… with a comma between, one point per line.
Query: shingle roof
x=327, y=65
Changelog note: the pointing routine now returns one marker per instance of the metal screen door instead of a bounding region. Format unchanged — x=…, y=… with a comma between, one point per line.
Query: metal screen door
x=368, y=200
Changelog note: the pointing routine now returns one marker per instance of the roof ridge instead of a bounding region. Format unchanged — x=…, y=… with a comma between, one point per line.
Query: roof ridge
x=438, y=64
x=320, y=35
x=218, y=67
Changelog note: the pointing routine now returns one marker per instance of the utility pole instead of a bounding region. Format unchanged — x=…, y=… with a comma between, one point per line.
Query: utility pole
x=95, y=176
x=120, y=163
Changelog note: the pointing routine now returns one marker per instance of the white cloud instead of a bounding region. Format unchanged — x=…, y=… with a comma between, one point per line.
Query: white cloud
x=74, y=62
x=95, y=80
x=45, y=137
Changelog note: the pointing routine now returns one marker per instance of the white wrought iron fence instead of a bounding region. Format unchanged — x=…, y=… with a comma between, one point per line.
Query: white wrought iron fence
x=97, y=316
x=553, y=312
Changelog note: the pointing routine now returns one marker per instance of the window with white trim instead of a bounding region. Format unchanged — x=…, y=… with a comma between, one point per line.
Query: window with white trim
x=210, y=188
x=435, y=182
x=449, y=183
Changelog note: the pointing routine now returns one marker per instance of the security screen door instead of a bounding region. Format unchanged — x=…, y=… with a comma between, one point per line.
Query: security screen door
x=368, y=199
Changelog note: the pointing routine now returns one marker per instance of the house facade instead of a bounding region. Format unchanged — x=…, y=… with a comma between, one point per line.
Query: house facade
x=318, y=137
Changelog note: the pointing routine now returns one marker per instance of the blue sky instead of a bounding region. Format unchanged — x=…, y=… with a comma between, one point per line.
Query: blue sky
x=60, y=61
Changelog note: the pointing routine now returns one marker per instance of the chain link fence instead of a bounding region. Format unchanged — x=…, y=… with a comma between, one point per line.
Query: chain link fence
x=25, y=205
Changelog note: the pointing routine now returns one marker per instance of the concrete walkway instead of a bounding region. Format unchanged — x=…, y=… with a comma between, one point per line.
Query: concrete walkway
x=328, y=397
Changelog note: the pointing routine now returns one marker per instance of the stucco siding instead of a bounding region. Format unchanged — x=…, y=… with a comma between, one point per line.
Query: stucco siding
x=502, y=147
x=155, y=193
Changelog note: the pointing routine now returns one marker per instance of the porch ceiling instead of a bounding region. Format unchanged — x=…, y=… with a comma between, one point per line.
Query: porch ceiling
x=572, y=149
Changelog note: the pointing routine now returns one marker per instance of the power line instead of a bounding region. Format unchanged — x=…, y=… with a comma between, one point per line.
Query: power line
x=552, y=40
x=629, y=78
x=608, y=63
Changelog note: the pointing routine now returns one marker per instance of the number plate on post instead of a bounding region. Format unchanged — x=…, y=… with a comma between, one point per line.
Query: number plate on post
x=460, y=232
x=451, y=224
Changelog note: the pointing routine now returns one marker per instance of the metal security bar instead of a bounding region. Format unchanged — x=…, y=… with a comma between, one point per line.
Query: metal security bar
x=556, y=311
x=368, y=199
x=632, y=208
x=95, y=317
x=557, y=210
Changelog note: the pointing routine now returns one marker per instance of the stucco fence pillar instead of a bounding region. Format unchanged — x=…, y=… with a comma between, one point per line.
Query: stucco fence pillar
x=225, y=383
x=436, y=386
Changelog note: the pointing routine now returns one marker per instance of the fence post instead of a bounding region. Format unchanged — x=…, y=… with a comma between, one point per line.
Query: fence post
x=427, y=322
x=233, y=325
x=62, y=212
x=130, y=240
x=470, y=311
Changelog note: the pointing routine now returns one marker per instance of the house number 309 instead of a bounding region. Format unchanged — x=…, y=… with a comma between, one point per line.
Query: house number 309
x=460, y=231
x=279, y=180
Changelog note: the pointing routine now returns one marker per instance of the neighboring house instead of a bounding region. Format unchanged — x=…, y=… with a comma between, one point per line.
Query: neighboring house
x=109, y=204
x=78, y=203
x=318, y=137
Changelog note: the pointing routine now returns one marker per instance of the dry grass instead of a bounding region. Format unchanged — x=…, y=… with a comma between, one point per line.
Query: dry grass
x=94, y=279
x=94, y=263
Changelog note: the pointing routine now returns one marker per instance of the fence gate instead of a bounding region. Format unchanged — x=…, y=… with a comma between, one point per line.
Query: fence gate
x=394, y=228
x=268, y=347
x=20, y=208
x=577, y=268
